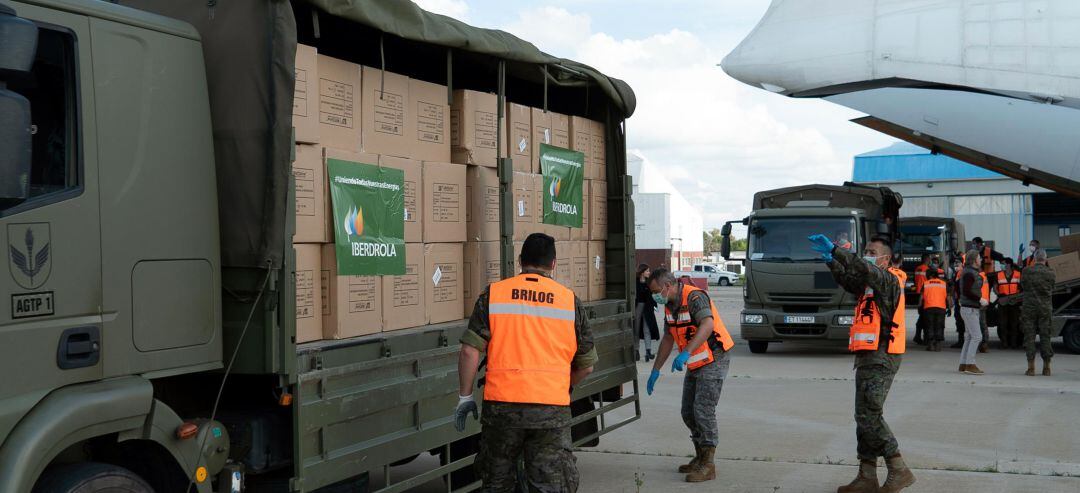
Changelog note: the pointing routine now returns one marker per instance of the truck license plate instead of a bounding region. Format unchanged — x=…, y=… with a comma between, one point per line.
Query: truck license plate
x=799, y=319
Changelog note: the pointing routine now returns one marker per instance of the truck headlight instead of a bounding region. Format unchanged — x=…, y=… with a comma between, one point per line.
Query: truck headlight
x=753, y=318
x=845, y=320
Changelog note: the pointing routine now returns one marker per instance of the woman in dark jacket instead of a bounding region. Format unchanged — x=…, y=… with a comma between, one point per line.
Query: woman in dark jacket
x=645, y=311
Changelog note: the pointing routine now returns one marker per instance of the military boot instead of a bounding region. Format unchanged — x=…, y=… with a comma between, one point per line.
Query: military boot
x=1046, y=368
x=706, y=468
x=899, y=477
x=865, y=482
x=685, y=468
x=1031, y=368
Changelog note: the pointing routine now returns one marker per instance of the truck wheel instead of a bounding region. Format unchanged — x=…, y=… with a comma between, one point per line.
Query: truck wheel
x=724, y=281
x=1071, y=336
x=759, y=347
x=91, y=477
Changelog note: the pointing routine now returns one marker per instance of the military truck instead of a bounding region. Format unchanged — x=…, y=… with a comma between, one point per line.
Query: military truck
x=146, y=216
x=789, y=294
x=941, y=237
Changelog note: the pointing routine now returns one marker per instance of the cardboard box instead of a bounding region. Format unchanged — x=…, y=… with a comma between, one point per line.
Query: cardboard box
x=560, y=130
x=482, y=267
x=384, y=111
x=524, y=205
x=414, y=197
x=482, y=208
x=598, y=217
x=583, y=233
x=444, y=202
x=403, y=298
x=579, y=268
x=1066, y=267
x=473, y=128
x=581, y=140
x=563, y=270
x=1070, y=243
x=444, y=292
x=597, y=270
x=541, y=134
x=339, y=104
x=309, y=176
x=599, y=149
x=308, y=292
x=354, y=157
x=428, y=122
x=354, y=303
x=519, y=144
x=305, y=105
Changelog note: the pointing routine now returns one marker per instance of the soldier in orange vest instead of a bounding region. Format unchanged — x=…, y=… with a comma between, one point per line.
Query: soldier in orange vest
x=878, y=339
x=987, y=254
x=694, y=325
x=538, y=345
x=934, y=302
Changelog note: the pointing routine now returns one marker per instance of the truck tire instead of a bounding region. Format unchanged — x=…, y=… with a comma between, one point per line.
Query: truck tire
x=1071, y=336
x=724, y=282
x=759, y=347
x=90, y=477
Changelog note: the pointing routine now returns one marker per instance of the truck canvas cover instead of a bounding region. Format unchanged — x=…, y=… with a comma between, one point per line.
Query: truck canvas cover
x=249, y=50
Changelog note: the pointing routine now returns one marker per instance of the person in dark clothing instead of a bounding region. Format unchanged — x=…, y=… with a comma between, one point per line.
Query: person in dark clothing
x=645, y=311
x=958, y=270
x=971, y=303
x=987, y=254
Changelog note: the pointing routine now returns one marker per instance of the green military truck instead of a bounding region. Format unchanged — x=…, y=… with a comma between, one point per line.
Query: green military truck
x=940, y=237
x=145, y=213
x=789, y=294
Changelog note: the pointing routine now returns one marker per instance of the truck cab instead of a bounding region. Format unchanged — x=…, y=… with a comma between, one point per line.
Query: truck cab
x=940, y=237
x=789, y=294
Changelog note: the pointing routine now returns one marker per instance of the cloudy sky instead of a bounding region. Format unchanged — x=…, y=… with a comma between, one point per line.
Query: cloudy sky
x=719, y=140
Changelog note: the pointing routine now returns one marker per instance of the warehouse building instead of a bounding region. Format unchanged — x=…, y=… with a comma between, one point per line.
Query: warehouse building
x=669, y=231
x=990, y=205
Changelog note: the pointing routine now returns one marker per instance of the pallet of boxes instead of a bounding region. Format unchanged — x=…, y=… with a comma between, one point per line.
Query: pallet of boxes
x=1066, y=266
x=405, y=185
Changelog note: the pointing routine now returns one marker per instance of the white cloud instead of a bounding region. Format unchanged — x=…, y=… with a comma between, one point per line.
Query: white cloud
x=719, y=140
x=457, y=9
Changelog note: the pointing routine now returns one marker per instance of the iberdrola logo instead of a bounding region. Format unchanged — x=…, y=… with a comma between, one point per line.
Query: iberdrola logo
x=354, y=222
x=556, y=185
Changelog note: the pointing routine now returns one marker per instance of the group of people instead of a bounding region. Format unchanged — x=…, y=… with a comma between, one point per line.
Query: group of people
x=1021, y=298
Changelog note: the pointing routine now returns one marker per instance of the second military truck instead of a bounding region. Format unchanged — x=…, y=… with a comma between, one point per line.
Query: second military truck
x=789, y=294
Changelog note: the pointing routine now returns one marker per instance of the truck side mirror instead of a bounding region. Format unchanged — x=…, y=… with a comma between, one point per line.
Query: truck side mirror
x=18, y=42
x=725, y=244
x=725, y=230
x=18, y=46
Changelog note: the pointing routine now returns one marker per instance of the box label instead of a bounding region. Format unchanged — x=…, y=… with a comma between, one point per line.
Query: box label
x=369, y=221
x=446, y=286
x=430, y=122
x=305, y=191
x=389, y=113
x=563, y=181
x=336, y=103
x=361, y=294
x=485, y=130
x=305, y=294
x=446, y=202
x=410, y=201
x=300, y=94
x=406, y=288
x=326, y=301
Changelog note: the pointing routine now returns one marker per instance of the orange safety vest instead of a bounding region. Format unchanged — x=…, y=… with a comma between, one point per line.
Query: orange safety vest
x=1006, y=286
x=920, y=277
x=866, y=330
x=935, y=294
x=533, y=341
x=988, y=263
x=985, y=287
x=1030, y=261
x=682, y=328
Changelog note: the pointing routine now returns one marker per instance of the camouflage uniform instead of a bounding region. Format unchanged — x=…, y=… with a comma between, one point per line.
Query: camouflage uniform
x=1035, y=316
x=874, y=370
x=539, y=433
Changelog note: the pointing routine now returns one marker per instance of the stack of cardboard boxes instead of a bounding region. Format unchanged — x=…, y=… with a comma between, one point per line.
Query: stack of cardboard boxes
x=360, y=114
x=449, y=157
x=1067, y=265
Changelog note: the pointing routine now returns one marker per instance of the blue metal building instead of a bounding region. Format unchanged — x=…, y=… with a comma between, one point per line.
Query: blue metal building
x=990, y=205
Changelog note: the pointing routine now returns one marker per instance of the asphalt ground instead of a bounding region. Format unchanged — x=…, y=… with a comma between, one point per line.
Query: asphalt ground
x=786, y=423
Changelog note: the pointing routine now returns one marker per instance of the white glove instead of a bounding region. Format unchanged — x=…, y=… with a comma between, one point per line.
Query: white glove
x=465, y=405
x=984, y=303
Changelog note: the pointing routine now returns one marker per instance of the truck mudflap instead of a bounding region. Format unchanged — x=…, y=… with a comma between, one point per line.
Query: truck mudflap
x=366, y=403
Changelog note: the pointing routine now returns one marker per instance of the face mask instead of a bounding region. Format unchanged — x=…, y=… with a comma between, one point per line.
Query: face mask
x=870, y=259
x=659, y=299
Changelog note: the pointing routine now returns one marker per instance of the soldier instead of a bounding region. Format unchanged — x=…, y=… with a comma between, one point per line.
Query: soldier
x=1009, y=296
x=1035, y=315
x=878, y=339
x=694, y=325
x=538, y=345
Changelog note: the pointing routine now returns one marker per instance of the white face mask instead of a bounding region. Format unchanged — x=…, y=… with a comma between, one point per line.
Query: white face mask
x=871, y=259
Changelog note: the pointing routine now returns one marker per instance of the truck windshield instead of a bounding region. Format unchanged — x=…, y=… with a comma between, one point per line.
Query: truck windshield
x=785, y=239
x=920, y=239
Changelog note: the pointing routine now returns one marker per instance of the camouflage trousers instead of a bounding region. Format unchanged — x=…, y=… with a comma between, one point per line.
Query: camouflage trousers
x=1036, y=320
x=874, y=437
x=701, y=394
x=550, y=466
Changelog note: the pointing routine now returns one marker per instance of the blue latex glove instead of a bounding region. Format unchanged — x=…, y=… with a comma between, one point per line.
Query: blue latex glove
x=821, y=244
x=827, y=257
x=653, y=377
x=680, y=361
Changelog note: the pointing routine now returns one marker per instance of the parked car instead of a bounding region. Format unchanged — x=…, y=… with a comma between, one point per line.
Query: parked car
x=714, y=274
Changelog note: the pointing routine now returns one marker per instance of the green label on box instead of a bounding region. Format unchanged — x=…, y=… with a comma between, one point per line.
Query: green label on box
x=563, y=172
x=369, y=218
